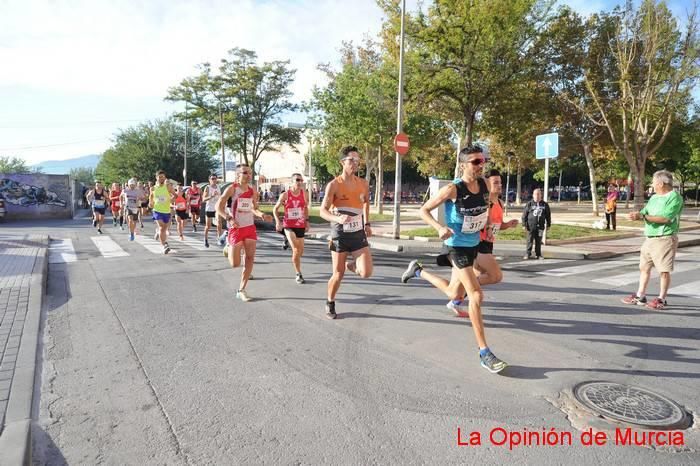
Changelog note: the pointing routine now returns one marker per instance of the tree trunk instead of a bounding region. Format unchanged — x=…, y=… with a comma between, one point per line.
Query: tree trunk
x=591, y=175
x=380, y=181
x=697, y=190
x=639, y=186
x=459, y=147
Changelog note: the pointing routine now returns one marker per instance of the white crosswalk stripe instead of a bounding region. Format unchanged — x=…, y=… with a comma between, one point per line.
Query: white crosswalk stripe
x=108, y=247
x=691, y=290
x=585, y=268
x=193, y=243
x=538, y=262
x=152, y=245
x=61, y=251
x=633, y=277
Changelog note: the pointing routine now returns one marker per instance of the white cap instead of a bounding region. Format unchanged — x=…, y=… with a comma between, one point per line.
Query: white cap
x=132, y=181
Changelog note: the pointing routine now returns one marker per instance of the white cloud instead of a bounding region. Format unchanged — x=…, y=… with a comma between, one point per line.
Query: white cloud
x=130, y=48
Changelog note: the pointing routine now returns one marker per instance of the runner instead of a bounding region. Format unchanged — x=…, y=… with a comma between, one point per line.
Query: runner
x=194, y=199
x=296, y=220
x=211, y=196
x=242, y=232
x=144, y=204
x=346, y=206
x=181, y=211
x=115, y=195
x=97, y=198
x=161, y=197
x=132, y=197
x=466, y=213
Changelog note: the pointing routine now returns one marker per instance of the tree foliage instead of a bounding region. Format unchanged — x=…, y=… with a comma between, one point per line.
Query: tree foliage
x=250, y=98
x=85, y=175
x=15, y=165
x=142, y=150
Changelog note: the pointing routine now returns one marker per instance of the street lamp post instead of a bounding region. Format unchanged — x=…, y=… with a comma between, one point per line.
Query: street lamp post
x=510, y=155
x=399, y=129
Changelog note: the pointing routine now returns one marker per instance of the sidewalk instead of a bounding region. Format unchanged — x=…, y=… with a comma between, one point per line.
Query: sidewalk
x=23, y=271
x=628, y=241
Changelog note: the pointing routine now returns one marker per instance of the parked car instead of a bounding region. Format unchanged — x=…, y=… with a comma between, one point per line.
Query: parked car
x=2, y=209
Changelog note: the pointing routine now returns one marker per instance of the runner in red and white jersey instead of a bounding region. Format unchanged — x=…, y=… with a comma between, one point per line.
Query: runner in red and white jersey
x=115, y=205
x=242, y=234
x=194, y=200
x=296, y=220
x=181, y=211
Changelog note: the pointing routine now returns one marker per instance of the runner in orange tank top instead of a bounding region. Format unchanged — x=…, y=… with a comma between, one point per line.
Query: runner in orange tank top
x=346, y=206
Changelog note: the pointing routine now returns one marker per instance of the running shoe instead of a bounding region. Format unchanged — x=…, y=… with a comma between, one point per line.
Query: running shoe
x=94, y=223
x=351, y=266
x=300, y=279
x=131, y=237
x=141, y=224
x=206, y=243
x=460, y=310
x=657, y=304
x=285, y=244
x=491, y=363
x=410, y=272
x=99, y=230
x=634, y=299
x=243, y=296
x=194, y=228
x=330, y=310
x=540, y=258
x=166, y=248
x=121, y=227
x=527, y=258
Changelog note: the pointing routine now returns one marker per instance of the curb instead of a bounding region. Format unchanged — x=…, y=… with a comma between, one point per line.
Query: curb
x=16, y=439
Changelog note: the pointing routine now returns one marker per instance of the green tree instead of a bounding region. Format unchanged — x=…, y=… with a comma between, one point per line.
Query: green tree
x=15, y=165
x=142, y=150
x=85, y=175
x=249, y=97
x=468, y=54
x=654, y=68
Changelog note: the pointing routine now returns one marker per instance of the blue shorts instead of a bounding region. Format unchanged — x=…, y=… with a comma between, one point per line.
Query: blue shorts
x=161, y=217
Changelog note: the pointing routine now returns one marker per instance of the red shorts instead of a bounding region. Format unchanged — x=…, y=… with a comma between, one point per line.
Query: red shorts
x=238, y=235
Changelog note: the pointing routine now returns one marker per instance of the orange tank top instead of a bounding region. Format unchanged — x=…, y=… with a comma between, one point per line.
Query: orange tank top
x=349, y=194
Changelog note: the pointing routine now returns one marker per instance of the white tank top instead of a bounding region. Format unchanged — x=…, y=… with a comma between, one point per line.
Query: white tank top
x=215, y=193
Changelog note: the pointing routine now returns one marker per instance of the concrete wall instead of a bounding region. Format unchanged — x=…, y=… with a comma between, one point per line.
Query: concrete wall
x=36, y=196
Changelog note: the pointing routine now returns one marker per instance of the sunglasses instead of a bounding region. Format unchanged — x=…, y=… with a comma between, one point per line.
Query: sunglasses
x=352, y=159
x=477, y=161
x=246, y=172
x=299, y=180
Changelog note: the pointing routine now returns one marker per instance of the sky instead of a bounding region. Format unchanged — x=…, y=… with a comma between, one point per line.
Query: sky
x=75, y=72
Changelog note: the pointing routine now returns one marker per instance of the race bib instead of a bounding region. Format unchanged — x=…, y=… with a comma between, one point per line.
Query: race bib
x=295, y=213
x=161, y=199
x=99, y=203
x=472, y=224
x=194, y=202
x=245, y=204
x=494, y=228
x=180, y=206
x=353, y=224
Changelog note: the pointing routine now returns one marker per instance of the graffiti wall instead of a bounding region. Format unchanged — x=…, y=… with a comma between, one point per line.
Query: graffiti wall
x=36, y=196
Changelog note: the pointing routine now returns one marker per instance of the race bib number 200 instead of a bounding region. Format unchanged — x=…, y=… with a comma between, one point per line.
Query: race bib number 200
x=472, y=224
x=245, y=204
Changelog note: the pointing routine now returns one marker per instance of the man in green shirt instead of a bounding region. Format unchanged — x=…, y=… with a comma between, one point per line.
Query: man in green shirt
x=661, y=217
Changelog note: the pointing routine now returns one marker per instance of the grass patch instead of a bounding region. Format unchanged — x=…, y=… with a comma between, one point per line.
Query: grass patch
x=315, y=218
x=518, y=233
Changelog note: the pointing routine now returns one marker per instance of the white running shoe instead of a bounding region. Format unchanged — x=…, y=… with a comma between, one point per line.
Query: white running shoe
x=461, y=310
x=243, y=296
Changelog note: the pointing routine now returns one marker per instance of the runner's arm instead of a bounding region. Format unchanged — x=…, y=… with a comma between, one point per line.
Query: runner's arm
x=446, y=193
x=365, y=208
x=306, y=209
x=325, y=213
x=275, y=213
x=221, y=203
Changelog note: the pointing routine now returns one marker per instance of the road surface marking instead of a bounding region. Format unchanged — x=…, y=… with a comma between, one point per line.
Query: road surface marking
x=633, y=277
x=108, y=247
x=61, y=251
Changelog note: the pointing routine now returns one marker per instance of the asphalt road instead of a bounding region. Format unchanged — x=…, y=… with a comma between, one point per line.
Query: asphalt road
x=150, y=359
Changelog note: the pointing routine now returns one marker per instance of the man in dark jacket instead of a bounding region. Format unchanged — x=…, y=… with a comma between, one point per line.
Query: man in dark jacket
x=536, y=217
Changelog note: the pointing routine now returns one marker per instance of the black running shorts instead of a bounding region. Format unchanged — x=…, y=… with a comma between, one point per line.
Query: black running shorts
x=486, y=247
x=349, y=243
x=456, y=256
x=299, y=232
x=182, y=214
x=210, y=213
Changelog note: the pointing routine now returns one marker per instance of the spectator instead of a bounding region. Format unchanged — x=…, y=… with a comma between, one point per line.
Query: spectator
x=661, y=217
x=611, y=208
x=536, y=218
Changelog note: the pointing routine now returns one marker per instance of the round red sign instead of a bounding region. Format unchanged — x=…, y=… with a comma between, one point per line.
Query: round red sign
x=401, y=144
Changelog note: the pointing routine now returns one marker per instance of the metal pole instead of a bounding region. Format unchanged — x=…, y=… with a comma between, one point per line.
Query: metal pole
x=510, y=154
x=399, y=129
x=546, y=194
x=184, y=170
x=223, y=155
x=308, y=139
x=560, y=173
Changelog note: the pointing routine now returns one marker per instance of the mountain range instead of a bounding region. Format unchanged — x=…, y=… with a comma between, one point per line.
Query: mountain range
x=63, y=167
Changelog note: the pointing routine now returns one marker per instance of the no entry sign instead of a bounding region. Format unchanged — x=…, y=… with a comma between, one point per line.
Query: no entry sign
x=401, y=144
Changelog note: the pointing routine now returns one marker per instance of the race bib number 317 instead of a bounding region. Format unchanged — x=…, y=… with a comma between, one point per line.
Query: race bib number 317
x=472, y=224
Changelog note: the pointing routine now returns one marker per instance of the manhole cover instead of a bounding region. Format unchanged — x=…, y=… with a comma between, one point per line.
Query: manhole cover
x=631, y=405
